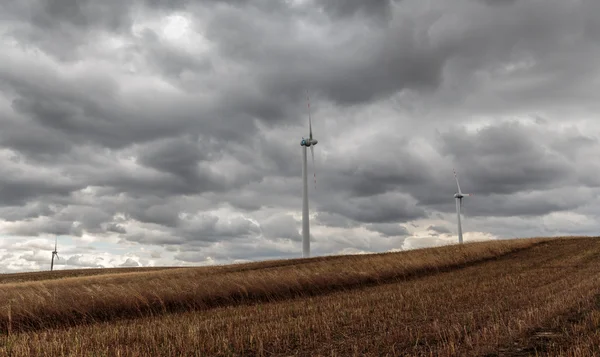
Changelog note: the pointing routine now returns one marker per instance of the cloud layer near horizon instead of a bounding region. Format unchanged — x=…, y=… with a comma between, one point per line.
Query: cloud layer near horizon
x=154, y=134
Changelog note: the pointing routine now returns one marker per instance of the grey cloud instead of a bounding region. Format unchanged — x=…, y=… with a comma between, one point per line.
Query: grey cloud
x=536, y=203
x=281, y=227
x=82, y=14
x=61, y=27
x=113, y=227
x=33, y=141
x=498, y=2
x=36, y=257
x=193, y=257
x=439, y=229
x=19, y=184
x=227, y=251
x=160, y=214
x=388, y=61
x=155, y=255
x=386, y=208
x=347, y=8
x=388, y=229
x=93, y=115
x=179, y=156
x=91, y=218
x=82, y=261
x=29, y=245
x=390, y=162
x=170, y=60
x=45, y=225
x=334, y=220
x=504, y=159
x=28, y=211
x=158, y=237
x=130, y=263
x=208, y=228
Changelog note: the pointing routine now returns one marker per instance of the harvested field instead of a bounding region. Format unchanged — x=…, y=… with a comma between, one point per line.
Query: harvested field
x=517, y=297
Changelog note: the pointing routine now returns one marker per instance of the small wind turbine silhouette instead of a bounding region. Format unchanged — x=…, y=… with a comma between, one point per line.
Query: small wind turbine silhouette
x=54, y=253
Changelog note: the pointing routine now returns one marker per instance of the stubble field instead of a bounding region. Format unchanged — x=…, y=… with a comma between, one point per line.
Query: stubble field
x=502, y=298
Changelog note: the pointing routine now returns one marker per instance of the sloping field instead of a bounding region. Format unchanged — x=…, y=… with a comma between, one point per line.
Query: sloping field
x=498, y=298
x=59, y=274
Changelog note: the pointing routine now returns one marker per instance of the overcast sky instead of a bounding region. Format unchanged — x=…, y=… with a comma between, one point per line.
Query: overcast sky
x=147, y=132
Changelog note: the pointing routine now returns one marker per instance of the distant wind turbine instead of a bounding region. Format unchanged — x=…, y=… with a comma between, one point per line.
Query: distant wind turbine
x=54, y=253
x=305, y=143
x=458, y=197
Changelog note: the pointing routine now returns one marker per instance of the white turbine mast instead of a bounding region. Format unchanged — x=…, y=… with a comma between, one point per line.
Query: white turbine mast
x=459, y=197
x=305, y=143
x=54, y=253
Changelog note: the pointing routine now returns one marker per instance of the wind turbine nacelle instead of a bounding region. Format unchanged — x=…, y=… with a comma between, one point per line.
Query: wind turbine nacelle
x=308, y=142
x=458, y=195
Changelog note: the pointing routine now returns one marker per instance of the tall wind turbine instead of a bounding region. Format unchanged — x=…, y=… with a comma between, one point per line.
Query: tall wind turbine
x=305, y=143
x=54, y=253
x=458, y=197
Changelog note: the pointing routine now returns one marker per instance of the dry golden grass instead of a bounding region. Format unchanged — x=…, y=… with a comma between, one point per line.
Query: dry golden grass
x=497, y=298
x=67, y=301
x=59, y=274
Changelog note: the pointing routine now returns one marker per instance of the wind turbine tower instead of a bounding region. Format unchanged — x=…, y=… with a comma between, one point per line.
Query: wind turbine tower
x=459, y=197
x=306, y=143
x=54, y=253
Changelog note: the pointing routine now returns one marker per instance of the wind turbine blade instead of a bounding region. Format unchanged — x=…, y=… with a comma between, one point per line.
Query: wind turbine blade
x=55, y=242
x=456, y=178
x=309, y=118
x=312, y=152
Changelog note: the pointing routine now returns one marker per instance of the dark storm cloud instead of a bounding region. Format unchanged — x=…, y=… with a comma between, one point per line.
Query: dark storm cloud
x=178, y=156
x=347, y=8
x=47, y=226
x=27, y=211
x=83, y=110
x=390, y=162
x=498, y=2
x=386, y=208
x=367, y=65
x=514, y=169
x=528, y=204
x=506, y=159
x=20, y=190
x=158, y=213
x=81, y=14
x=61, y=27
